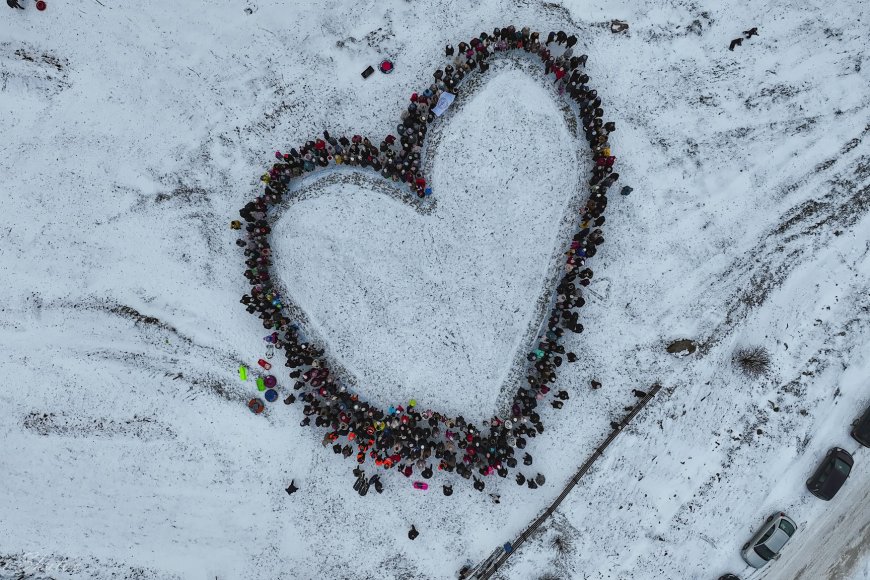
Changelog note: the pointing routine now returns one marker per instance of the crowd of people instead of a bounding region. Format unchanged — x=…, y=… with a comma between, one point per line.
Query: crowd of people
x=411, y=440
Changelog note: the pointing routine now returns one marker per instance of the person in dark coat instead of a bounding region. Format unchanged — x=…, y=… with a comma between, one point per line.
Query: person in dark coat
x=14, y=4
x=291, y=489
x=735, y=42
x=360, y=482
x=751, y=32
x=413, y=533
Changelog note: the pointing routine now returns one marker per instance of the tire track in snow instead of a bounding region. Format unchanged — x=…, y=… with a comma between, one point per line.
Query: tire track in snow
x=786, y=247
x=64, y=425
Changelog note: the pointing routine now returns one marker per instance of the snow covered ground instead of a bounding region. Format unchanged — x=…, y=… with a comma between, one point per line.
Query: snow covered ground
x=133, y=132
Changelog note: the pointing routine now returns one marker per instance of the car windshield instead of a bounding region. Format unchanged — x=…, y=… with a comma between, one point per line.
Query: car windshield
x=786, y=527
x=842, y=466
x=764, y=552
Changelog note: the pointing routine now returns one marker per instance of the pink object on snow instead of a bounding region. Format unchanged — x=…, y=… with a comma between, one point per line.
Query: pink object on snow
x=421, y=485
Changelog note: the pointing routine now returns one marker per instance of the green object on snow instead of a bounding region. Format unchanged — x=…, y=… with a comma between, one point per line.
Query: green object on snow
x=412, y=403
x=261, y=384
x=243, y=372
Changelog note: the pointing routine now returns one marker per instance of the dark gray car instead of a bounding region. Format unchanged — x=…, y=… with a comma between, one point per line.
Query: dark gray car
x=766, y=544
x=861, y=429
x=831, y=474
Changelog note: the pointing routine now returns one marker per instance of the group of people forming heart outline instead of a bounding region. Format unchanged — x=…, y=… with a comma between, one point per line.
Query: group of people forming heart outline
x=406, y=437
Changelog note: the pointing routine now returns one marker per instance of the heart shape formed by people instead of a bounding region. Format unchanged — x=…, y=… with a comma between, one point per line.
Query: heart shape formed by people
x=441, y=304
x=407, y=437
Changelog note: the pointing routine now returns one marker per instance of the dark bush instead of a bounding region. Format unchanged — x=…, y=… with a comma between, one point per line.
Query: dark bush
x=753, y=361
x=561, y=544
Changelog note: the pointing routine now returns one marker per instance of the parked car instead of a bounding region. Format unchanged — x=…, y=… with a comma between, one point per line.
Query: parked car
x=766, y=544
x=861, y=429
x=831, y=474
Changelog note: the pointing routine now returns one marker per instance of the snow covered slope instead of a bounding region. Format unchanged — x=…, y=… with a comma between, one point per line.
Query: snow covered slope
x=132, y=133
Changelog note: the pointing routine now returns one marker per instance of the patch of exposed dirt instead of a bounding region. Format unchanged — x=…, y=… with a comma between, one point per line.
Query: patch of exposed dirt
x=682, y=347
x=63, y=425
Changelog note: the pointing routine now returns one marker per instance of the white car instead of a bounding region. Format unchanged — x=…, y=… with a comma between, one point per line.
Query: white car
x=766, y=544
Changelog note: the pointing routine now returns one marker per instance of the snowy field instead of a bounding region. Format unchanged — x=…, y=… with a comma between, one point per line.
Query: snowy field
x=131, y=133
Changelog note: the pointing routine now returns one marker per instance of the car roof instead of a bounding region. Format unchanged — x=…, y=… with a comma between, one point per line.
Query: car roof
x=835, y=479
x=777, y=540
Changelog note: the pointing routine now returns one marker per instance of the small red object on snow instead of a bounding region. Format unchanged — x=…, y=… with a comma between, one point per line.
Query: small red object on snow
x=265, y=364
x=41, y=5
x=421, y=485
x=256, y=406
x=386, y=66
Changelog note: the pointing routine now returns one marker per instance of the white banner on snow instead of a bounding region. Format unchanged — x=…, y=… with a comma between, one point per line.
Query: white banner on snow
x=443, y=102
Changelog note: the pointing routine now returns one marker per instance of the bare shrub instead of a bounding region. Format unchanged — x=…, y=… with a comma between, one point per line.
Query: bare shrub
x=753, y=361
x=561, y=544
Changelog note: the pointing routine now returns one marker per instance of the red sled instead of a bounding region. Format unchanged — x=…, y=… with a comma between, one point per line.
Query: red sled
x=421, y=485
